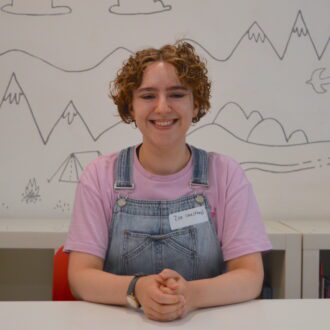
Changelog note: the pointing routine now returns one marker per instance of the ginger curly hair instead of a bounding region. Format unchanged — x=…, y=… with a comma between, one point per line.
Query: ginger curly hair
x=191, y=70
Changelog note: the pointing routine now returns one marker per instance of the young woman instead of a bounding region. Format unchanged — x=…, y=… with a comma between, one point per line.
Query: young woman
x=164, y=225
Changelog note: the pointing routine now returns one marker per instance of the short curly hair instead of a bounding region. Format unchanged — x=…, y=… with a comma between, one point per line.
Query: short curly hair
x=191, y=70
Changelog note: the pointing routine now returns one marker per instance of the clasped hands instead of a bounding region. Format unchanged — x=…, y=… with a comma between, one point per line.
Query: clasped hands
x=164, y=296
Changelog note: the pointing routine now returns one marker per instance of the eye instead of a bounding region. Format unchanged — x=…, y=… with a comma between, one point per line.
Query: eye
x=147, y=96
x=177, y=95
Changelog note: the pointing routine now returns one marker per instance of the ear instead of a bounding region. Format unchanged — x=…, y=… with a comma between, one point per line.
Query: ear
x=131, y=111
x=196, y=109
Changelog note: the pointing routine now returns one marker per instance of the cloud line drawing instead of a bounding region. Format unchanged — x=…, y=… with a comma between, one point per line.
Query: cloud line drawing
x=142, y=7
x=317, y=81
x=35, y=8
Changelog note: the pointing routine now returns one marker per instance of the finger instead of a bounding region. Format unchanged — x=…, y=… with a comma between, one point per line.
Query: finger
x=172, y=284
x=166, y=299
x=156, y=316
x=166, y=290
x=166, y=273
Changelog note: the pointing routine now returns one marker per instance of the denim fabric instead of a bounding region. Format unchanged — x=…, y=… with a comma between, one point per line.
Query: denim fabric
x=141, y=239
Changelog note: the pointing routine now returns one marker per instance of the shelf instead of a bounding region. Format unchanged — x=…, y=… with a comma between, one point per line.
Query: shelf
x=283, y=263
x=33, y=233
x=316, y=237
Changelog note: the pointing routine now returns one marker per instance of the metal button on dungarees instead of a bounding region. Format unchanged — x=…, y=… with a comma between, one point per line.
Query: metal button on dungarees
x=121, y=202
x=199, y=199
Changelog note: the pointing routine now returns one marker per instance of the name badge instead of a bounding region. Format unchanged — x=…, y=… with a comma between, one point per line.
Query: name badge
x=188, y=218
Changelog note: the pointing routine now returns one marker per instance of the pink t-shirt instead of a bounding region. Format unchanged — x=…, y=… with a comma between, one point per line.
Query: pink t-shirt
x=234, y=209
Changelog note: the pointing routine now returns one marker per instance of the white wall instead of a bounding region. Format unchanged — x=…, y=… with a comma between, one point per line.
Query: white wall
x=57, y=58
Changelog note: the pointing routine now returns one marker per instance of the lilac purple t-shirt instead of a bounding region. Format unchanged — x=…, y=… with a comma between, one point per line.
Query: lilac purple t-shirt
x=234, y=209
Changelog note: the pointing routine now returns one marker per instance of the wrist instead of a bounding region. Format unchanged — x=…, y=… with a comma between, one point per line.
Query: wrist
x=191, y=298
x=132, y=299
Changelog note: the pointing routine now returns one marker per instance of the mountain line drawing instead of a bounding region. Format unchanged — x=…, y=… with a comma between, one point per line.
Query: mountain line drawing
x=256, y=34
x=133, y=7
x=253, y=34
x=252, y=128
x=14, y=94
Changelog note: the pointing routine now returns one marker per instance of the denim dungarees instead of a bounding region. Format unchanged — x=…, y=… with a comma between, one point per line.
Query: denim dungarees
x=140, y=236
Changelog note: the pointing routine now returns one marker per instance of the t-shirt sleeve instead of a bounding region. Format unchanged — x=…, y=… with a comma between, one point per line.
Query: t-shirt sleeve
x=88, y=230
x=243, y=229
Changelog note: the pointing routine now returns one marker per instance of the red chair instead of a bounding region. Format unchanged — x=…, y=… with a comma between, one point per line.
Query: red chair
x=61, y=289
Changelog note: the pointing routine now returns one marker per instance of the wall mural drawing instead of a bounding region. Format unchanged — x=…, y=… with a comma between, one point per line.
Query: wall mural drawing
x=269, y=107
x=144, y=7
x=35, y=8
x=318, y=81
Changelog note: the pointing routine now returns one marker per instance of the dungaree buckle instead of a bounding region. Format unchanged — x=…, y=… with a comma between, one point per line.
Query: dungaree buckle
x=123, y=188
x=194, y=184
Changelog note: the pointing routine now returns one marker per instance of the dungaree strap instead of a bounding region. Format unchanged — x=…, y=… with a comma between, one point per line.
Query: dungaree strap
x=201, y=167
x=124, y=168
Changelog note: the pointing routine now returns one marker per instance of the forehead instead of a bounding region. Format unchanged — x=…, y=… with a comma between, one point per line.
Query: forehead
x=160, y=73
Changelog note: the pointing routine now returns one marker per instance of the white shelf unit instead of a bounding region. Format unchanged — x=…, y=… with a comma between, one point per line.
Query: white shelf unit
x=26, y=257
x=33, y=233
x=25, y=242
x=283, y=263
x=315, y=238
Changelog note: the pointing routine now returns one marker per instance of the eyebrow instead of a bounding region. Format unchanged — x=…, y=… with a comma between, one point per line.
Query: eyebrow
x=172, y=88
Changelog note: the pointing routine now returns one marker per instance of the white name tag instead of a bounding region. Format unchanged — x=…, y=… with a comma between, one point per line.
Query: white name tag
x=188, y=218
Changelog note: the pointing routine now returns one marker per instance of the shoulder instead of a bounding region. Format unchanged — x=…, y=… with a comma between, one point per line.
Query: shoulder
x=99, y=170
x=224, y=165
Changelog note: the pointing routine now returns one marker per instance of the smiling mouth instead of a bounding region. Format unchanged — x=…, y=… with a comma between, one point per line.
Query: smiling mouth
x=164, y=123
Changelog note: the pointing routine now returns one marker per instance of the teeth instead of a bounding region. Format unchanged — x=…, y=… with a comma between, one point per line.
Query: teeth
x=164, y=123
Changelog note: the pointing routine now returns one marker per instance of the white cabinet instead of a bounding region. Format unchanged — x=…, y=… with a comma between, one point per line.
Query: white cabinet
x=283, y=263
x=315, y=239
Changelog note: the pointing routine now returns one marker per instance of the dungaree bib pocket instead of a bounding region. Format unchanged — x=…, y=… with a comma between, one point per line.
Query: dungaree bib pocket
x=150, y=254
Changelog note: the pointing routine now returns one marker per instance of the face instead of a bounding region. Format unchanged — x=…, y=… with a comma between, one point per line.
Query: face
x=162, y=106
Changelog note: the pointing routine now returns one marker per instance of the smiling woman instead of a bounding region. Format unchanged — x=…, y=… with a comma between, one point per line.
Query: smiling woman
x=164, y=225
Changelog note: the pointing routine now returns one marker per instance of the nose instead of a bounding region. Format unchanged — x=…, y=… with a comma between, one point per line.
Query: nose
x=162, y=105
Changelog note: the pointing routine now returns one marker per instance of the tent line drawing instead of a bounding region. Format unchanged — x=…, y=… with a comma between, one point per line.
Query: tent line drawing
x=72, y=167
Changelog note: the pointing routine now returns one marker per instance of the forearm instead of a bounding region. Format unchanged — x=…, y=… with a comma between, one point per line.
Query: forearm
x=89, y=282
x=232, y=287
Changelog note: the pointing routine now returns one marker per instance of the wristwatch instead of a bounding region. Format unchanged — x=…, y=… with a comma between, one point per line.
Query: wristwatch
x=131, y=298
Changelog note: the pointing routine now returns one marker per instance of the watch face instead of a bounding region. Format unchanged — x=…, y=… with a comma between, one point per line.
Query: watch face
x=132, y=301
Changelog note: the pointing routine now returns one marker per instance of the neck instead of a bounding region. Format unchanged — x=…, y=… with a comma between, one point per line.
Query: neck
x=164, y=161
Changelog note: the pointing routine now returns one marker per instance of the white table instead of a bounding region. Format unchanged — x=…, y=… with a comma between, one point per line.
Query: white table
x=254, y=315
